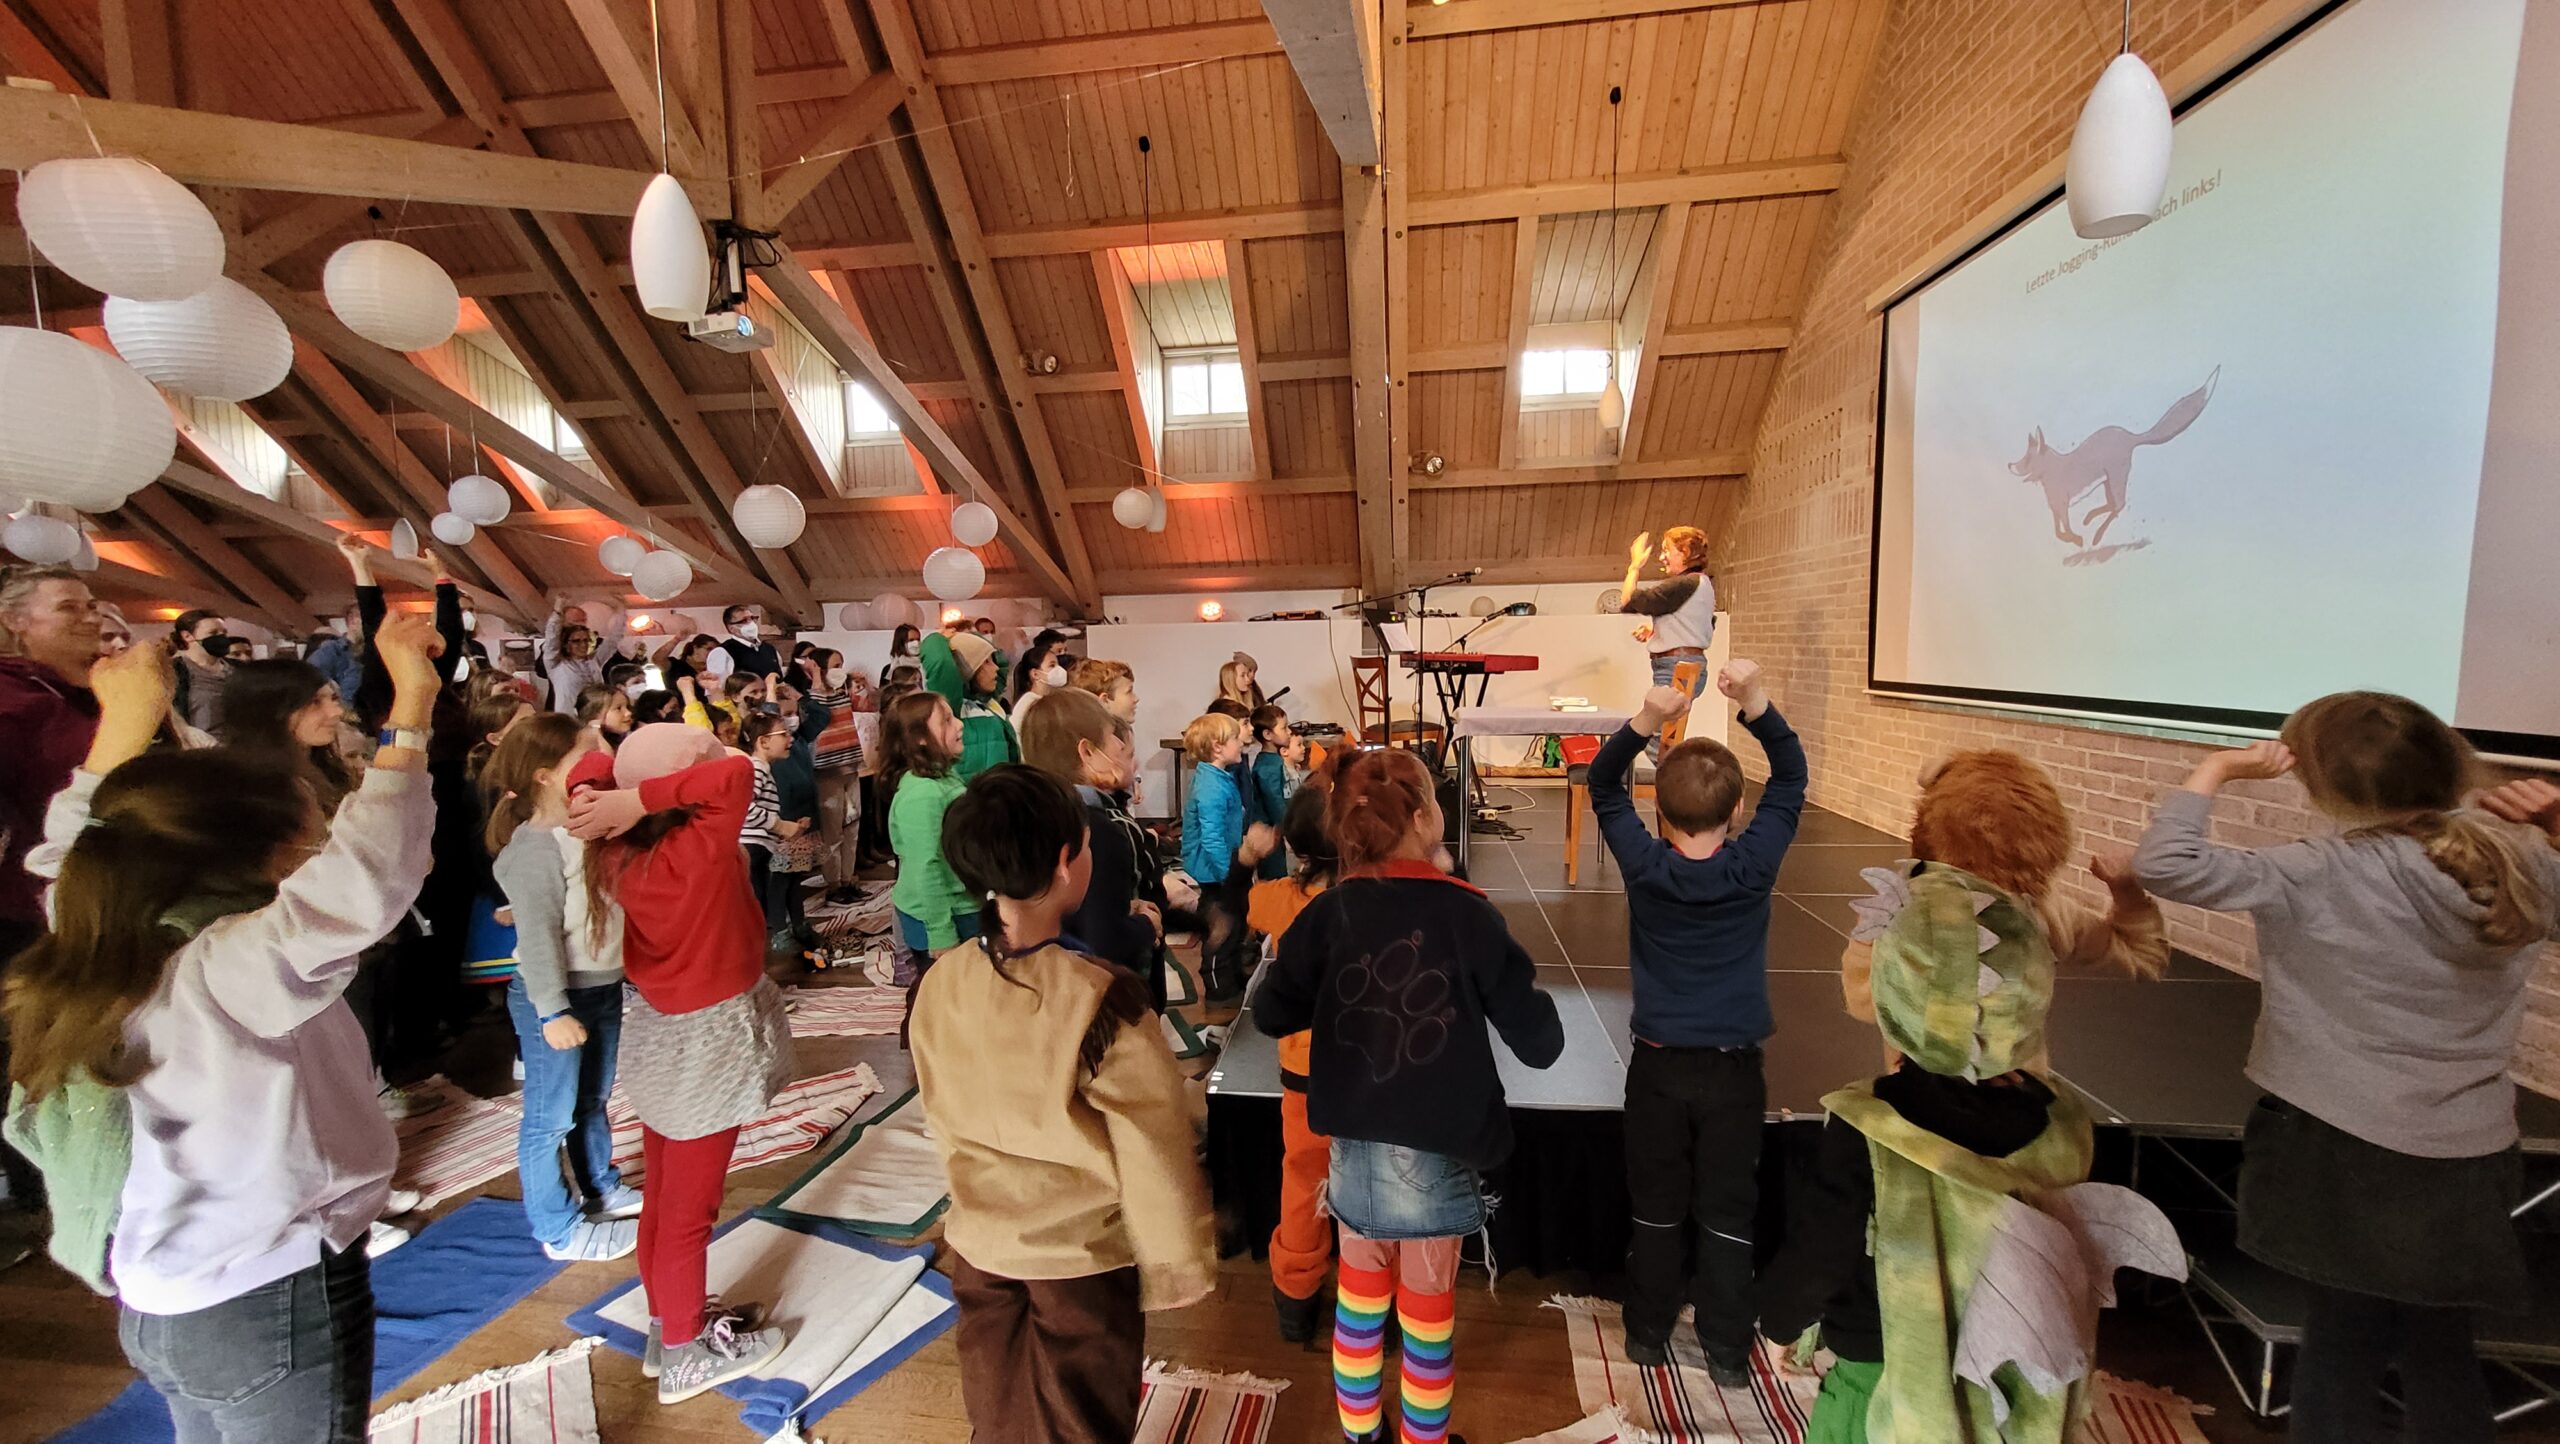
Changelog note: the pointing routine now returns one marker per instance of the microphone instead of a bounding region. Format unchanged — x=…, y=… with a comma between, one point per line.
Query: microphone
x=1276, y=696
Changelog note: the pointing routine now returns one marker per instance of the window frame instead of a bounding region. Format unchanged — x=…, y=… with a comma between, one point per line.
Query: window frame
x=1209, y=358
x=1562, y=400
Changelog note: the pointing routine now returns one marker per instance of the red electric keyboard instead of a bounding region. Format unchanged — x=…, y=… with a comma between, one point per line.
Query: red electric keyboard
x=1470, y=664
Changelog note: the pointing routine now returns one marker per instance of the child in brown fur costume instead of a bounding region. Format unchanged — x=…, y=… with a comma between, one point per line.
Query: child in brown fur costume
x=1997, y=816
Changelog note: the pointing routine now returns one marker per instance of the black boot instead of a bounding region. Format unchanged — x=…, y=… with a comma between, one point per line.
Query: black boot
x=1298, y=1317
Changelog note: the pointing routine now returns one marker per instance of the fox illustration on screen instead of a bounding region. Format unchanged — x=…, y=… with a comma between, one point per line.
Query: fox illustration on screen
x=2104, y=458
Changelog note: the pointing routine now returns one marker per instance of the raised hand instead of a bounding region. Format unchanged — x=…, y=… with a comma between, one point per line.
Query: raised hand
x=601, y=812
x=2527, y=799
x=1259, y=840
x=1639, y=549
x=409, y=645
x=2256, y=762
x=2114, y=867
x=1739, y=678
x=136, y=683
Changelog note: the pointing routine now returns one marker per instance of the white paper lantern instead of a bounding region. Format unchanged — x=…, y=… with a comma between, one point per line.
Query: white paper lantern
x=621, y=554
x=1155, y=510
x=479, y=500
x=86, y=558
x=2119, y=166
x=1132, y=507
x=452, y=530
x=670, y=262
x=954, y=573
x=117, y=225
x=44, y=540
x=973, y=523
x=392, y=295
x=662, y=576
x=224, y=343
x=769, y=516
x=890, y=610
x=77, y=426
x=404, y=540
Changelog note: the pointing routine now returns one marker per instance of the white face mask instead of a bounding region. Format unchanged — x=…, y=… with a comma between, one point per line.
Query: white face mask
x=915, y=649
x=633, y=690
x=1053, y=676
x=470, y=620
x=745, y=631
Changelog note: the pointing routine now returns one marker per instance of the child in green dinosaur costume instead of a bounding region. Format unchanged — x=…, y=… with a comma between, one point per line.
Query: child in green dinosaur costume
x=1960, y=1167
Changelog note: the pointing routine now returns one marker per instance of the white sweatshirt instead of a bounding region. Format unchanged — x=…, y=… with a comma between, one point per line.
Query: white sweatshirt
x=256, y=1134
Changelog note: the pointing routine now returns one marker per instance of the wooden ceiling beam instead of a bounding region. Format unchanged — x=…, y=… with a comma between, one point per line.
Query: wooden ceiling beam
x=1243, y=223
x=1178, y=492
x=31, y=50
x=202, y=148
x=1474, y=356
x=1724, y=339
x=1481, y=17
x=141, y=42
x=187, y=536
x=1744, y=180
x=1119, y=50
x=1333, y=45
x=161, y=587
x=1524, y=280
x=1732, y=464
x=830, y=144
x=1644, y=388
x=1249, y=356
x=617, y=34
x=273, y=240
x=275, y=516
x=1112, y=293
x=1307, y=576
x=1304, y=368
x=601, y=107
x=1377, y=468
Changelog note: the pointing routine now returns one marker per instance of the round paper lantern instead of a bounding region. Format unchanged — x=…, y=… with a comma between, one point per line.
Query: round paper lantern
x=670, y=262
x=44, y=540
x=662, y=576
x=86, y=558
x=954, y=573
x=223, y=343
x=889, y=611
x=2119, y=166
x=77, y=426
x=1132, y=507
x=477, y=499
x=452, y=530
x=392, y=295
x=621, y=554
x=853, y=617
x=117, y=225
x=973, y=523
x=769, y=516
x=1155, y=511
x=404, y=540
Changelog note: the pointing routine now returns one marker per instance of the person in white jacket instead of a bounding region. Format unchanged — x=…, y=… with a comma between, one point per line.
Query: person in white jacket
x=206, y=920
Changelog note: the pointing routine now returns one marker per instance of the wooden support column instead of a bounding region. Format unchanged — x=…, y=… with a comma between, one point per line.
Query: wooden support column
x=1670, y=236
x=1524, y=275
x=1249, y=356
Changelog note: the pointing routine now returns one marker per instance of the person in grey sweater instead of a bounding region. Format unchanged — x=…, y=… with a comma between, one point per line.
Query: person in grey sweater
x=2395, y=953
x=566, y=997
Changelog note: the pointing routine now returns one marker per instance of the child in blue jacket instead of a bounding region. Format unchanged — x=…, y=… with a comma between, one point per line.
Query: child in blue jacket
x=1213, y=819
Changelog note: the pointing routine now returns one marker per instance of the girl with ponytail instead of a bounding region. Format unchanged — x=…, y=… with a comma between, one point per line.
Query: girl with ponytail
x=2395, y=953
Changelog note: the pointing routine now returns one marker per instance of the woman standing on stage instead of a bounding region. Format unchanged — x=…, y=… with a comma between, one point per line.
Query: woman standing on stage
x=1679, y=611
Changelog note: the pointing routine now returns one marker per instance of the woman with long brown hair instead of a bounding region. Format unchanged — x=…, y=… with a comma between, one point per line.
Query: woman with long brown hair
x=289, y=712
x=191, y=1079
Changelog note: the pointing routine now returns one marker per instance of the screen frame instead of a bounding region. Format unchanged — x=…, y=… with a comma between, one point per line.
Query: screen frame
x=2104, y=713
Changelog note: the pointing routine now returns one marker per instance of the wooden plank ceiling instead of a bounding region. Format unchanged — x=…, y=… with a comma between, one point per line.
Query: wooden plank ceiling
x=965, y=179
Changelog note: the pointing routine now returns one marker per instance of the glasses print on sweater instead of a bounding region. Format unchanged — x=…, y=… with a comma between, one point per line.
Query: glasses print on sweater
x=1396, y=1009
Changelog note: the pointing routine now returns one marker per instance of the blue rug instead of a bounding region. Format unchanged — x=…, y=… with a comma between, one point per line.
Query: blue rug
x=460, y=1272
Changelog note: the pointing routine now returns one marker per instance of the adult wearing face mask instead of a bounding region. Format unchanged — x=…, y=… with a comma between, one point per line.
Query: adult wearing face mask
x=745, y=648
x=197, y=641
x=1041, y=674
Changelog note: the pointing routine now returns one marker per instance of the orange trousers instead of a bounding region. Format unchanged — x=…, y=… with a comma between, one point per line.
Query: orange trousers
x=1302, y=1244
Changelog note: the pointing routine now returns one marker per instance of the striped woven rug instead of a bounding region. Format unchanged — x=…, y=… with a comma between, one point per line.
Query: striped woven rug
x=1191, y=1406
x=549, y=1399
x=845, y=1012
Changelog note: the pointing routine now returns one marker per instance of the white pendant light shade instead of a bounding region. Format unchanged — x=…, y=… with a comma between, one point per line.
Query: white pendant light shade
x=1613, y=402
x=889, y=611
x=662, y=576
x=117, y=225
x=1155, y=509
x=621, y=554
x=973, y=523
x=480, y=500
x=404, y=540
x=452, y=530
x=769, y=516
x=77, y=426
x=2119, y=166
x=954, y=573
x=392, y=295
x=670, y=262
x=854, y=616
x=223, y=343
x=85, y=558
x=44, y=540
x=1132, y=507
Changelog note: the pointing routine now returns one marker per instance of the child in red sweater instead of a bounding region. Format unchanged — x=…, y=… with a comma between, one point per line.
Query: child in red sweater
x=705, y=1044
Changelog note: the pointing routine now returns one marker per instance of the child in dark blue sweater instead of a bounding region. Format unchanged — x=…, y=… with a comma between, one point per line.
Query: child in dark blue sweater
x=1698, y=936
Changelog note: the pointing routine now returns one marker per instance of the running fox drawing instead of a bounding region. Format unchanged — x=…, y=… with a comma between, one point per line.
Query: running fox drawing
x=2104, y=459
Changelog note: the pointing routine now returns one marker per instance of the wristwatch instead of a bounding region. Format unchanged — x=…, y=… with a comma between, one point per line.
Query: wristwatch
x=401, y=737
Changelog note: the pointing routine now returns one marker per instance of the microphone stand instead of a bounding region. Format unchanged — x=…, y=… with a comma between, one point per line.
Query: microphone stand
x=1421, y=595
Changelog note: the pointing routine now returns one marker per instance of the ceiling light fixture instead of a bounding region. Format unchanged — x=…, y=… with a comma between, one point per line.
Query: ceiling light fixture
x=1613, y=402
x=2118, y=170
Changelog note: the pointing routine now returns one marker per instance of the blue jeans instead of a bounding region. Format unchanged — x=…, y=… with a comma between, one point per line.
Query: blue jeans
x=289, y=1362
x=1387, y=1192
x=564, y=1096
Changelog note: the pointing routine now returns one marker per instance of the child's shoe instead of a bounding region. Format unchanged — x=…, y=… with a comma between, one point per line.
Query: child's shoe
x=1647, y=1353
x=589, y=1241
x=651, y=1357
x=1730, y=1371
x=1298, y=1317
x=619, y=1201
x=723, y=1351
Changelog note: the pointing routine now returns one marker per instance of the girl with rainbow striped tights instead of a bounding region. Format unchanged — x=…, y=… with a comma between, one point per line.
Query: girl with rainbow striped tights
x=1418, y=1278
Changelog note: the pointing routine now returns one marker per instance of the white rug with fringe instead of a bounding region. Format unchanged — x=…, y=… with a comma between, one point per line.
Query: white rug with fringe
x=550, y=1397
x=1179, y=1405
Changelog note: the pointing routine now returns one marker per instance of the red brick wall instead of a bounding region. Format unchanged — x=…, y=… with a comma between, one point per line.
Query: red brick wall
x=1969, y=98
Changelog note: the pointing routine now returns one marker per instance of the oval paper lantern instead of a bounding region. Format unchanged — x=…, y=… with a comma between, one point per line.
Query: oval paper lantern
x=769, y=516
x=954, y=573
x=392, y=295
x=1132, y=507
x=890, y=610
x=453, y=531
x=662, y=576
x=77, y=426
x=853, y=617
x=85, y=558
x=119, y=226
x=223, y=343
x=479, y=500
x=44, y=540
x=2119, y=166
x=404, y=540
x=621, y=554
x=973, y=523
x=1155, y=510
x=670, y=262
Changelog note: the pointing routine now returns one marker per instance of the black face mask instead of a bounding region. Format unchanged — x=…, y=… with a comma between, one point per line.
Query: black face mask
x=218, y=645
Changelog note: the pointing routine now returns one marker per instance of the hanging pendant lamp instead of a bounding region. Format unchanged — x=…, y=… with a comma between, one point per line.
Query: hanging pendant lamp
x=1613, y=401
x=2118, y=172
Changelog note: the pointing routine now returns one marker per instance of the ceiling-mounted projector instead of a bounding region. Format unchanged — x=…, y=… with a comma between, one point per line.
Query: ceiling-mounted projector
x=729, y=331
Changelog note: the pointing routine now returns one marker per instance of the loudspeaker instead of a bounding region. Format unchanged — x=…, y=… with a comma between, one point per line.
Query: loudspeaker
x=1451, y=819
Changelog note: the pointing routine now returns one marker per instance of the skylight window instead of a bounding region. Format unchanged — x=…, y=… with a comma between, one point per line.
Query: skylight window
x=865, y=419
x=1570, y=374
x=565, y=439
x=1204, y=386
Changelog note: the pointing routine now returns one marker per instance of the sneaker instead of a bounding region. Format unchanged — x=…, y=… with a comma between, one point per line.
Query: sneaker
x=619, y=1201
x=1298, y=1317
x=652, y=1358
x=593, y=1242
x=518, y=1069
x=384, y=1238
x=1730, y=1371
x=722, y=1352
x=1648, y=1353
x=400, y=1201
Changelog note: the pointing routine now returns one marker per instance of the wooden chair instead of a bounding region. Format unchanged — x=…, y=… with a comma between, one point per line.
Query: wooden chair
x=1371, y=711
x=1578, y=779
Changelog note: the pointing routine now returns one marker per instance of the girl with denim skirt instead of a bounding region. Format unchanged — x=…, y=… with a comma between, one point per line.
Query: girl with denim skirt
x=1398, y=969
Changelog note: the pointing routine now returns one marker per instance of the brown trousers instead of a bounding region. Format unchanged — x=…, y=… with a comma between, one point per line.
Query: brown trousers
x=1050, y=1360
